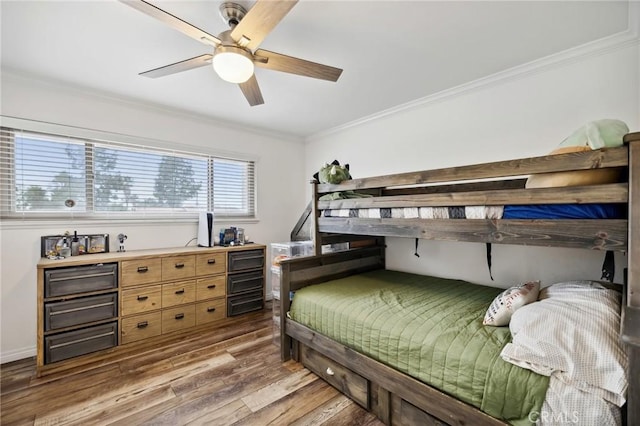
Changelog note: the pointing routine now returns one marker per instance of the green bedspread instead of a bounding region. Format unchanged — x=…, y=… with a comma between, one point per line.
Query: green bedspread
x=429, y=328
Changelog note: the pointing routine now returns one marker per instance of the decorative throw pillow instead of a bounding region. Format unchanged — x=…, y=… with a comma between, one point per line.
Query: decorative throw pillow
x=598, y=134
x=506, y=303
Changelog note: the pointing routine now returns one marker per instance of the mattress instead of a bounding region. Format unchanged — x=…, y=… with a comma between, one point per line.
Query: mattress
x=429, y=328
x=534, y=211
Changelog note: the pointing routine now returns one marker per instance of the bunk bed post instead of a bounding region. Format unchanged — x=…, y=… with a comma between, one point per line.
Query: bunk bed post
x=285, y=304
x=631, y=312
x=317, y=239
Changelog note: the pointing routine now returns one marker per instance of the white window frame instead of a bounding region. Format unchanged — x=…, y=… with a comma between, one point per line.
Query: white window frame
x=120, y=141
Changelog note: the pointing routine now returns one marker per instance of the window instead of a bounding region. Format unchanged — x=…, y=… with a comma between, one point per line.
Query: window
x=50, y=176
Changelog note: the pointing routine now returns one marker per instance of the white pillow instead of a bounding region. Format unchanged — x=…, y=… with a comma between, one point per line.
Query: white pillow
x=506, y=303
x=573, y=332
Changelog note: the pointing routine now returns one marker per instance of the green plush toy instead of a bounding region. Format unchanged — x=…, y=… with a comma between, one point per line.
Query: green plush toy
x=333, y=174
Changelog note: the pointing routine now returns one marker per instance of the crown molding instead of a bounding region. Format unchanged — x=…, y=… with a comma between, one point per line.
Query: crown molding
x=611, y=43
x=10, y=73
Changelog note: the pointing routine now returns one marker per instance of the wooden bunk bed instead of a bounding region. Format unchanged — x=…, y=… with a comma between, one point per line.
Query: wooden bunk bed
x=395, y=397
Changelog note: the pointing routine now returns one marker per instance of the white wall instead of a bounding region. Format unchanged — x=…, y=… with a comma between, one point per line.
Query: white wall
x=523, y=115
x=20, y=242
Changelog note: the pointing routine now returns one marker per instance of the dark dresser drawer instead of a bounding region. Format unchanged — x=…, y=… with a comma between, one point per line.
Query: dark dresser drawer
x=237, y=305
x=80, y=311
x=246, y=281
x=244, y=260
x=80, y=279
x=79, y=342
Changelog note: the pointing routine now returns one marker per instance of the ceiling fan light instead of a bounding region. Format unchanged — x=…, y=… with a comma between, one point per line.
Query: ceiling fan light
x=233, y=64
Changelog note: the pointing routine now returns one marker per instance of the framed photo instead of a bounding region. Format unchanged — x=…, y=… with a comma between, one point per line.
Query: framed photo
x=97, y=243
x=50, y=245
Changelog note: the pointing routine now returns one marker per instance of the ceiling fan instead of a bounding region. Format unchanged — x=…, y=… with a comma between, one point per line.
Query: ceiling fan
x=235, y=51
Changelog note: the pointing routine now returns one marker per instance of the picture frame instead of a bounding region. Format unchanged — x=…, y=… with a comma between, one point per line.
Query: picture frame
x=50, y=245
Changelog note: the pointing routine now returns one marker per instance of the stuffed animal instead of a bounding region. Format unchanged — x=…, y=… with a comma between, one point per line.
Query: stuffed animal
x=333, y=174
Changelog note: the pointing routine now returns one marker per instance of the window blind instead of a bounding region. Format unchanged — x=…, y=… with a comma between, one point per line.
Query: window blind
x=51, y=176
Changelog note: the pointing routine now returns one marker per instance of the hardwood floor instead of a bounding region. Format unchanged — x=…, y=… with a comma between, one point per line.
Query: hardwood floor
x=232, y=375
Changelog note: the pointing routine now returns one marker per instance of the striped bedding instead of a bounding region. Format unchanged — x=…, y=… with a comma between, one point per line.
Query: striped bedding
x=535, y=211
x=469, y=212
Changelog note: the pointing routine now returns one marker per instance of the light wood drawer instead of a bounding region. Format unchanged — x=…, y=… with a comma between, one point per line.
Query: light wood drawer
x=178, y=267
x=141, y=271
x=178, y=318
x=210, y=311
x=139, y=300
x=349, y=383
x=211, y=263
x=141, y=327
x=178, y=293
x=208, y=288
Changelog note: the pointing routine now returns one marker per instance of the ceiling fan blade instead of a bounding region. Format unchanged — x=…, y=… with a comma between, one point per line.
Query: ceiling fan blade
x=251, y=91
x=173, y=21
x=259, y=21
x=187, y=64
x=279, y=62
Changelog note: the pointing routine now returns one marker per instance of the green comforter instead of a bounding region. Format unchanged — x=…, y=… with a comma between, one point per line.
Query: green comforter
x=429, y=328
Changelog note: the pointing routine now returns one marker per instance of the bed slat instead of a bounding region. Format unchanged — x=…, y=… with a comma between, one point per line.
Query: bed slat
x=609, y=234
x=614, y=157
x=610, y=193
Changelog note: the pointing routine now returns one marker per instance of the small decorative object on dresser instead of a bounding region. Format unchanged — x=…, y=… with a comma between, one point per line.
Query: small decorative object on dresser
x=51, y=245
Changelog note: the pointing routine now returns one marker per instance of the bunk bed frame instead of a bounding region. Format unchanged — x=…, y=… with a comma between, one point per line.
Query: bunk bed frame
x=394, y=397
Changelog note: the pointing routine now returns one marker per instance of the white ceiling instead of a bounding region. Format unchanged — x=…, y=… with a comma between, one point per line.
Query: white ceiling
x=392, y=52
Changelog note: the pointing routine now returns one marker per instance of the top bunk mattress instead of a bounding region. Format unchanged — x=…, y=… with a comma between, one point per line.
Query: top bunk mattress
x=527, y=211
x=429, y=328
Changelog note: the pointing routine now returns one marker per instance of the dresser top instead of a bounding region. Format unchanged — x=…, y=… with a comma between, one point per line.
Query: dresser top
x=88, y=259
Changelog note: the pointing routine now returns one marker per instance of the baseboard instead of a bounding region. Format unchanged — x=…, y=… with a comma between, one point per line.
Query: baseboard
x=15, y=355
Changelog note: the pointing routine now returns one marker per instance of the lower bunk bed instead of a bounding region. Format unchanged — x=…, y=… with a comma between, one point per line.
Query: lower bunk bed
x=418, y=371
x=413, y=349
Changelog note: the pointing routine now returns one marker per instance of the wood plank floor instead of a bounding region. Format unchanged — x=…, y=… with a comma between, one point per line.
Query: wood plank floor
x=232, y=375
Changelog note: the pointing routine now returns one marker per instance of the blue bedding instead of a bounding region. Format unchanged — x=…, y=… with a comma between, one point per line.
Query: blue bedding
x=565, y=211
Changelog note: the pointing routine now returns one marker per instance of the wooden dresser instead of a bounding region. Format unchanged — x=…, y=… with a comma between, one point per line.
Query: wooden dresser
x=98, y=304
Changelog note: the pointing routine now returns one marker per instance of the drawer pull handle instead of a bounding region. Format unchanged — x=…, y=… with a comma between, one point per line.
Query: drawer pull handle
x=211, y=286
x=248, y=257
x=211, y=261
x=179, y=265
x=143, y=324
x=82, y=308
x=85, y=339
x=142, y=298
x=180, y=291
x=78, y=277
x=179, y=316
x=330, y=371
x=211, y=309
x=242, y=302
x=244, y=280
x=143, y=269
